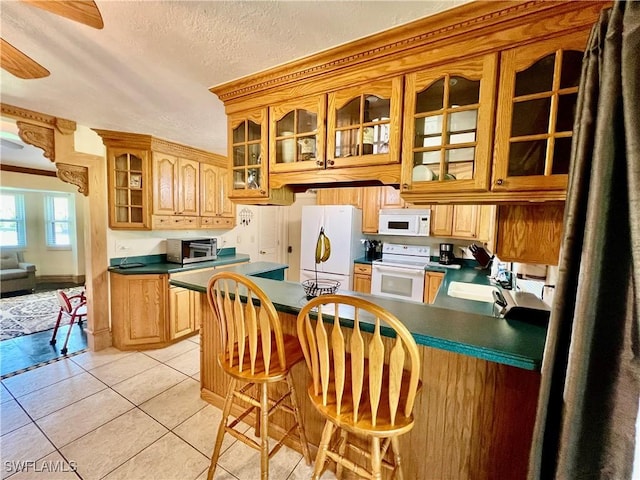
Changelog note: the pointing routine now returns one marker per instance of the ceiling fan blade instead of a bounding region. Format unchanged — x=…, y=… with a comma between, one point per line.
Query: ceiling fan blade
x=17, y=63
x=83, y=11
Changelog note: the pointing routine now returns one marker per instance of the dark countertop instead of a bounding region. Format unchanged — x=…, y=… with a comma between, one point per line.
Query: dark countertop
x=510, y=342
x=167, y=267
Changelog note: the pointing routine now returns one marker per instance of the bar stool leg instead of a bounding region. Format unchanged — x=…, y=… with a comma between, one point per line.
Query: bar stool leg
x=395, y=446
x=298, y=417
x=221, y=429
x=264, y=439
x=341, y=449
x=376, y=460
x=321, y=457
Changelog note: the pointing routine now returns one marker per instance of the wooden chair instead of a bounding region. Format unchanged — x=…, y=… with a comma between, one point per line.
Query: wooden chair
x=75, y=306
x=256, y=353
x=360, y=387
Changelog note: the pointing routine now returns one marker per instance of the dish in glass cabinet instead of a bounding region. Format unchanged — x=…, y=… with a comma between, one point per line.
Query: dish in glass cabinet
x=422, y=173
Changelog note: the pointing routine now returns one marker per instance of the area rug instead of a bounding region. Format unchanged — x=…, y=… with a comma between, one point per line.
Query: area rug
x=29, y=314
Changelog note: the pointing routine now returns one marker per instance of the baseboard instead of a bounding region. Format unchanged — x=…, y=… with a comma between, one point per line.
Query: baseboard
x=78, y=279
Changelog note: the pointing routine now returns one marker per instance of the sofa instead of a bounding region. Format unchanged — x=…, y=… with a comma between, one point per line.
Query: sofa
x=15, y=273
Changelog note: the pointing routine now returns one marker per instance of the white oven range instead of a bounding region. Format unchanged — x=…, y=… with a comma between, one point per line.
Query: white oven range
x=400, y=272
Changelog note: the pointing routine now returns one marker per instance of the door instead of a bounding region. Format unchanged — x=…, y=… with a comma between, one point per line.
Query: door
x=268, y=234
x=397, y=282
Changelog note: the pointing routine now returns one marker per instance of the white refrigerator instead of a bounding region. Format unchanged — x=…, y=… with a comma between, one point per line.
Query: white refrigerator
x=343, y=226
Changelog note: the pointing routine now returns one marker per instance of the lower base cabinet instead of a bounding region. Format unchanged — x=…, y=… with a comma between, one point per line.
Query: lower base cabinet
x=362, y=278
x=146, y=313
x=184, y=312
x=432, y=281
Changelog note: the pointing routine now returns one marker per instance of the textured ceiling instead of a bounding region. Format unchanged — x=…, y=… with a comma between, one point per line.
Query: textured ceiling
x=149, y=70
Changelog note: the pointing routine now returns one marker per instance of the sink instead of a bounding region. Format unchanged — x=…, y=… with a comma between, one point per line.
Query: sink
x=472, y=291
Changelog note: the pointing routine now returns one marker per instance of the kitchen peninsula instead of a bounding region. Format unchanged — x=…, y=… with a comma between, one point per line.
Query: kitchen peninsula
x=480, y=374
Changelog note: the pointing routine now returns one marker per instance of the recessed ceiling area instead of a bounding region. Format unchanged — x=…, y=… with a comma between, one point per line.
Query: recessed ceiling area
x=149, y=69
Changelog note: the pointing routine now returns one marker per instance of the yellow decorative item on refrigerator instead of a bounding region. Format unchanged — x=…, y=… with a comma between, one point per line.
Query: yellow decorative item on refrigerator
x=323, y=247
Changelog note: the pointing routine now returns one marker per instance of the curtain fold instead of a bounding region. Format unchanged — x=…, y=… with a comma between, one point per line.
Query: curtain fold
x=588, y=402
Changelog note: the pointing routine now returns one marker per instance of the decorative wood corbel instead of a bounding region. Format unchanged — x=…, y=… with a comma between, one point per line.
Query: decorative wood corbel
x=75, y=175
x=41, y=137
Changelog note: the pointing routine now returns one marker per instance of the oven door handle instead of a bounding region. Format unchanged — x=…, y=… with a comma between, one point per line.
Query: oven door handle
x=406, y=271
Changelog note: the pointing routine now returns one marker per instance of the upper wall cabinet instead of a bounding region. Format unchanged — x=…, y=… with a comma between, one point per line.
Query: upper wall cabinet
x=156, y=184
x=248, y=151
x=472, y=105
x=297, y=135
x=536, y=110
x=364, y=124
x=175, y=185
x=128, y=176
x=448, y=119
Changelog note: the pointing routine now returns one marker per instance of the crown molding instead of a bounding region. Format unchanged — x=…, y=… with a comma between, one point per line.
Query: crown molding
x=454, y=25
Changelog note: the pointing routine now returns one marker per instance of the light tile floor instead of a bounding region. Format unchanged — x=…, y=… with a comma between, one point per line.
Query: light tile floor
x=122, y=415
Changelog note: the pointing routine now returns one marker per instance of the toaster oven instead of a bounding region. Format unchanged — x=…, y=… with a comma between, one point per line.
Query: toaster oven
x=191, y=250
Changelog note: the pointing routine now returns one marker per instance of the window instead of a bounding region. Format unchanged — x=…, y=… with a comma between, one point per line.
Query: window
x=12, y=230
x=58, y=221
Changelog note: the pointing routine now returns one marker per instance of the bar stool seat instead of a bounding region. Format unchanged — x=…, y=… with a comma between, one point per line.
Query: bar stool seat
x=255, y=354
x=363, y=386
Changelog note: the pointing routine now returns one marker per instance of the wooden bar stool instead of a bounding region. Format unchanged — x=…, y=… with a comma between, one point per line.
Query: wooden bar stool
x=256, y=353
x=363, y=388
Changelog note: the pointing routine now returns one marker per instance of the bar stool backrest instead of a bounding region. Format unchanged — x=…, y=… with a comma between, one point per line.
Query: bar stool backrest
x=334, y=359
x=247, y=329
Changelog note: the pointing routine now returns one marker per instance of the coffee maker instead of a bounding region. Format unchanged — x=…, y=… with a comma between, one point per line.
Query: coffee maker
x=446, y=254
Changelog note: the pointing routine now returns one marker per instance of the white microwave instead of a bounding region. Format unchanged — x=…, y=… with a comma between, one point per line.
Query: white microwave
x=404, y=221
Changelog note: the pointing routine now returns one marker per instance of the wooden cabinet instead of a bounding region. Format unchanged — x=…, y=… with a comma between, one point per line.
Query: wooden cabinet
x=363, y=124
x=184, y=312
x=176, y=185
x=481, y=98
x=340, y=196
x=249, y=167
x=138, y=310
x=448, y=119
x=362, y=278
x=469, y=222
x=158, y=184
x=536, y=109
x=432, y=281
x=216, y=210
x=129, y=175
x=530, y=233
x=369, y=199
x=297, y=135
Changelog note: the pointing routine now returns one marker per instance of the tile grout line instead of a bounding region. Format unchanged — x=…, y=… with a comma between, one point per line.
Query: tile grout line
x=42, y=364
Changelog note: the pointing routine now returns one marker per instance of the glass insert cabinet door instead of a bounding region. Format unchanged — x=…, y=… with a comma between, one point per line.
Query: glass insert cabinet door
x=129, y=205
x=248, y=148
x=363, y=124
x=448, y=127
x=297, y=135
x=536, y=111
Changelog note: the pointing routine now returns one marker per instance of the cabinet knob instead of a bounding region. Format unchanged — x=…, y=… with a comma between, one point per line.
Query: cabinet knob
x=499, y=181
x=405, y=186
x=263, y=192
x=262, y=252
x=331, y=162
x=319, y=163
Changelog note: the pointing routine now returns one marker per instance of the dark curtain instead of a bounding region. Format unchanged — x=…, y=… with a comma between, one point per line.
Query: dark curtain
x=588, y=403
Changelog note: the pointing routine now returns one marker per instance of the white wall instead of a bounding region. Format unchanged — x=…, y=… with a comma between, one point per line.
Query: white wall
x=49, y=262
